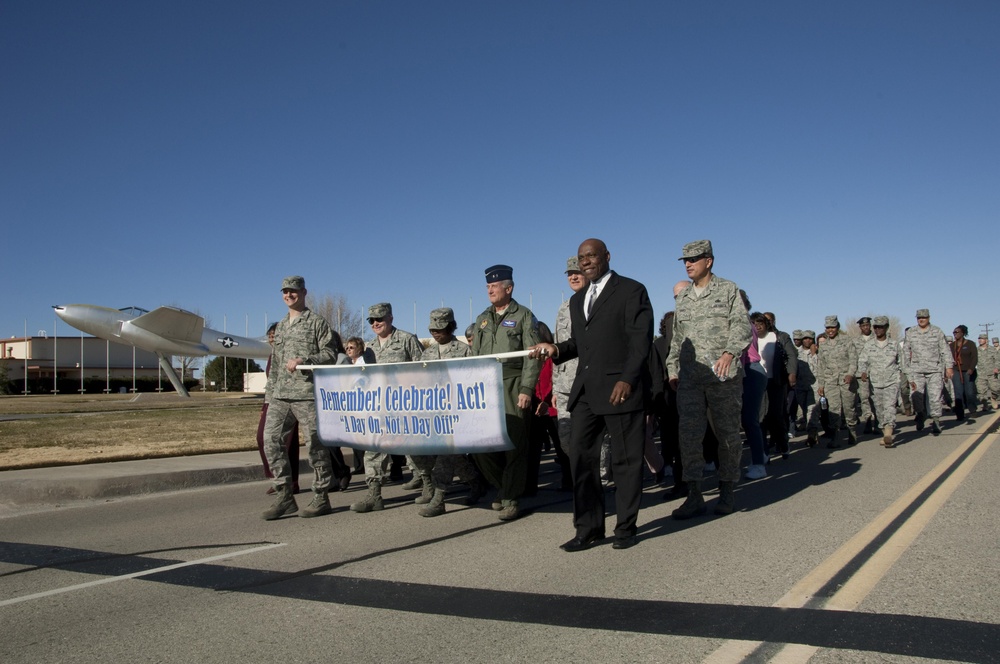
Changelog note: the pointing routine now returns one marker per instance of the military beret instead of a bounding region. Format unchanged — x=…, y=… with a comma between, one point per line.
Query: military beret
x=441, y=318
x=863, y=320
x=808, y=334
x=831, y=321
x=496, y=273
x=380, y=310
x=881, y=321
x=697, y=249
x=923, y=313
x=295, y=282
x=984, y=336
x=572, y=264
x=796, y=334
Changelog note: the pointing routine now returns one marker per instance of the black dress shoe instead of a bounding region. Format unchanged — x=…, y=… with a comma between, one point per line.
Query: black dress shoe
x=626, y=542
x=579, y=543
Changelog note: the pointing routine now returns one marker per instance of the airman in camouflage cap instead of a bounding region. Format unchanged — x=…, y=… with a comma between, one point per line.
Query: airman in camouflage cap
x=441, y=318
x=697, y=249
x=294, y=282
x=923, y=313
x=572, y=264
x=808, y=334
x=380, y=310
x=881, y=321
x=831, y=321
x=796, y=335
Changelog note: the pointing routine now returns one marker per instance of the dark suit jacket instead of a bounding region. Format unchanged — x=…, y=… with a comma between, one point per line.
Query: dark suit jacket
x=612, y=346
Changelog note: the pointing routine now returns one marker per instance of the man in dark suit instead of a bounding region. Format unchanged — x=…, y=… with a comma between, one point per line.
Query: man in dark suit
x=612, y=331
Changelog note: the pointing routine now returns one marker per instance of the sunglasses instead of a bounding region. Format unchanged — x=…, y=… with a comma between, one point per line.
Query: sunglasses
x=372, y=321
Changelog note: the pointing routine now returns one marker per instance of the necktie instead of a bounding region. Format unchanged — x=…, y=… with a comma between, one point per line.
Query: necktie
x=590, y=303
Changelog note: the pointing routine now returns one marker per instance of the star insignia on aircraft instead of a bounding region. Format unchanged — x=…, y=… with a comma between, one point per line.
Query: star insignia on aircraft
x=228, y=342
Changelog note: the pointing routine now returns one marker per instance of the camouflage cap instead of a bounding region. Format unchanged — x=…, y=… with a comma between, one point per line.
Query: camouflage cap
x=295, y=282
x=831, y=321
x=949, y=338
x=923, y=313
x=572, y=264
x=441, y=318
x=995, y=340
x=863, y=320
x=808, y=334
x=796, y=334
x=696, y=249
x=380, y=310
x=496, y=273
x=881, y=321
x=984, y=336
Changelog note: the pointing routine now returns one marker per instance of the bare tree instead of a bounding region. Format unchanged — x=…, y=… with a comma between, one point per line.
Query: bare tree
x=334, y=307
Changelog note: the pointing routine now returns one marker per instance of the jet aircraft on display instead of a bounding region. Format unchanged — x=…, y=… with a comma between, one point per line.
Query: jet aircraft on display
x=165, y=331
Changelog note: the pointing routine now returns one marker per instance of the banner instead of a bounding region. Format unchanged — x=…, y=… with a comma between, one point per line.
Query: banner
x=436, y=407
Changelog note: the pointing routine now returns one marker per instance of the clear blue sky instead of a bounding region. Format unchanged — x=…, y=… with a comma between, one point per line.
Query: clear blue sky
x=844, y=157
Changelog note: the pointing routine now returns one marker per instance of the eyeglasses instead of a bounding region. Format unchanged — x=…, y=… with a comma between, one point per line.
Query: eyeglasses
x=372, y=321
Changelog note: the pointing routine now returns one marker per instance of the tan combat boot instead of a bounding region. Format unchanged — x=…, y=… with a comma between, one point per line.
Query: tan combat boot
x=283, y=505
x=436, y=505
x=694, y=504
x=318, y=506
x=887, y=436
x=372, y=502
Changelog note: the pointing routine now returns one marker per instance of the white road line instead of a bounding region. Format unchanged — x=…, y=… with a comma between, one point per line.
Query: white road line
x=871, y=572
x=135, y=575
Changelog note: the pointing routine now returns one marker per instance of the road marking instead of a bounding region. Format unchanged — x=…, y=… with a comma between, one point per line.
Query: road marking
x=814, y=590
x=135, y=575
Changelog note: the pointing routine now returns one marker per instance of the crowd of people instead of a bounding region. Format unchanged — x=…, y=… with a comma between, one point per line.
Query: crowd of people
x=599, y=390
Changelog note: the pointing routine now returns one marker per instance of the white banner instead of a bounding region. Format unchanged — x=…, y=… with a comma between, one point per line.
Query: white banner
x=437, y=407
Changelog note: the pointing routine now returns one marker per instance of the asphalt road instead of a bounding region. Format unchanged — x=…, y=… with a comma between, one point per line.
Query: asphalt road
x=853, y=555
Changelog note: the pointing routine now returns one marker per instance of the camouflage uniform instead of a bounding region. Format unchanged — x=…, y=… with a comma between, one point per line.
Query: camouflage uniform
x=563, y=374
x=880, y=360
x=442, y=468
x=705, y=326
x=838, y=358
x=307, y=336
x=994, y=378
x=865, y=405
x=926, y=356
x=984, y=373
x=805, y=385
x=400, y=346
x=514, y=329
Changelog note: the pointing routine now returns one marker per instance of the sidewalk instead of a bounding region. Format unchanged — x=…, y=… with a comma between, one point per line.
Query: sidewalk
x=62, y=484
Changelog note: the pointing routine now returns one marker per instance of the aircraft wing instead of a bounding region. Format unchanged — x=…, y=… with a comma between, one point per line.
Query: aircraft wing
x=172, y=323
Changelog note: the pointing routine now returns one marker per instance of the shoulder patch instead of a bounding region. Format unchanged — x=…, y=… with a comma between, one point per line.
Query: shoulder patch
x=482, y=326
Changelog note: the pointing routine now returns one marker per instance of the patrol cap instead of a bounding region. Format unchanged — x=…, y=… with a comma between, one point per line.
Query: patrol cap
x=863, y=320
x=923, y=313
x=796, y=334
x=831, y=321
x=984, y=336
x=995, y=340
x=294, y=282
x=881, y=321
x=572, y=264
x=380, y=310
x=496, y=273
x=808, y=334
x=441, y=318
x=697, y=249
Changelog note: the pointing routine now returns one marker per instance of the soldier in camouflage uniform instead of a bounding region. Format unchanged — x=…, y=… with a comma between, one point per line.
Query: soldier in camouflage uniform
x=805, y=384
x=710, y=332
x=836, y=380
x=564, y=374
x=994, y=379
x=879, y=367
x=503, y=327
x=390, y=345
x=927, y=362
x=438, y=471
x=865, y=405
x=301, y=337
x=986, y=371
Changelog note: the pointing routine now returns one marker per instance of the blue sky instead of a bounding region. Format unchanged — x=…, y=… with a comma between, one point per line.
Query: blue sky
x=842, y=157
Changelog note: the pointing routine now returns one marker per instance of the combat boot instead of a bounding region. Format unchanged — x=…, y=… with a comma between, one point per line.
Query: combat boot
x=416, y=483
x=284, y=504
x=372, y=502
x=727, y=501
x=319, y=506
x=509, y=512
x=477, y=487
x=694, y=504
x=887, y=437
x=936, y=428
x=852, y=438
x=426, y=492
x=435, y=507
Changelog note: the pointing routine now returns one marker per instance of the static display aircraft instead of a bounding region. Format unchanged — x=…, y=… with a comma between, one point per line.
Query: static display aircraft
x=165, y=331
